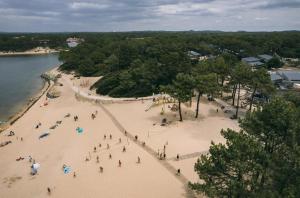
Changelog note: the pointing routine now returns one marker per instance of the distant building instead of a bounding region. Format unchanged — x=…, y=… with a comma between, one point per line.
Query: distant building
x=286, y=79
x=193, y=54
x=252, y=61
x=265, y=57
x=292, y=76
x=275, y=78
x=73, y=42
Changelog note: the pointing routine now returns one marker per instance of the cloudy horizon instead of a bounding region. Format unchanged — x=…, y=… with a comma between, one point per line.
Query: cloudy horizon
x=141, y=15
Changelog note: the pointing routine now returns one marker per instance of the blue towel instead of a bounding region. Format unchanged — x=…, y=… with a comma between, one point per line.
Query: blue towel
x=67, y=170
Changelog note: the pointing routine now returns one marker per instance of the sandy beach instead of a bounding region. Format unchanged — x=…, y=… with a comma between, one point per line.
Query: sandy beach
x=64, y=145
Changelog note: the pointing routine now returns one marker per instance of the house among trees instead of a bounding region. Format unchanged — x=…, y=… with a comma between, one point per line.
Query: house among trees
x=265, y=57
x=286, y=79
x=252, y=61
x=197, y=56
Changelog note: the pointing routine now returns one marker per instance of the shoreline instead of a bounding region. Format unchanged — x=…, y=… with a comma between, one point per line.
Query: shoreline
x=26, y=107
x=27, y=53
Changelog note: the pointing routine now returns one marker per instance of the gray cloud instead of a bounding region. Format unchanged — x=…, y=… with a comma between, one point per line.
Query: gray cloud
x=126, y=15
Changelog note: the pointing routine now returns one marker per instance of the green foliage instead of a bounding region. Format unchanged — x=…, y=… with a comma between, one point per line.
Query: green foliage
x=262, y=160
x=180, y=89
x=151, y=59
x=274, y=63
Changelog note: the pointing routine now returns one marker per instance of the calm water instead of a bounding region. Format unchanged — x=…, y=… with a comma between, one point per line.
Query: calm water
x=20, y=80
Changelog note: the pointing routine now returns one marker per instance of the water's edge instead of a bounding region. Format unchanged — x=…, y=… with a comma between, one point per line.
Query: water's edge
x=12, y=119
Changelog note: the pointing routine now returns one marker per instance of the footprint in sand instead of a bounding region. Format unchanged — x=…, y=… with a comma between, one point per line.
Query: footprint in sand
x=11, y=180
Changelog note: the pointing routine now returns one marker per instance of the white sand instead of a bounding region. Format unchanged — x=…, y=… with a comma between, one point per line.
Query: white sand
x=65, y=146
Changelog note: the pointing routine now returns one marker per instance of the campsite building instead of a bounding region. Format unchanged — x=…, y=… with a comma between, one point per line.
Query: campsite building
x=252, y=61
x=265, y=57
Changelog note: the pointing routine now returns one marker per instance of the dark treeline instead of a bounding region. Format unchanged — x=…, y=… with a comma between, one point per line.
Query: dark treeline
x=19, y=42
x=138, y=63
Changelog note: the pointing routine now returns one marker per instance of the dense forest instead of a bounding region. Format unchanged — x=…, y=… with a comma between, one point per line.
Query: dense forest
x=138, y=63
x=19, y=42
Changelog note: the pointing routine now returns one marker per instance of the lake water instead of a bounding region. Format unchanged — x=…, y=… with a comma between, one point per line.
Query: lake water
x=20, y=80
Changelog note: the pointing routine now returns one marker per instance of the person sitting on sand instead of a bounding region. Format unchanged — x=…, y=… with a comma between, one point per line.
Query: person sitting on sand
x=124, y=149
x=136, y=138
x=95, y=149
x=93, y=116
x=104, y=137
x=110, y=136
x=178, y=171
x=100, y=145
x=101, y=169
x=37, y=126
x=87, y=159
x=11, y=133
x=144, y=144
x=110, y=156
x=120, y=163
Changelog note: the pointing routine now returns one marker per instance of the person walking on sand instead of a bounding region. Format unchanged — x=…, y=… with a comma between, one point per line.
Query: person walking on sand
x=110, y=136
x=97, y=159
x=124, y=149
x=101, y=169
x=104, y=137
x=95, y=149
x=139, y=160
x=49, y=191
x=177, y=157
x=110, y=156
x=120, y=163
x=178, y=171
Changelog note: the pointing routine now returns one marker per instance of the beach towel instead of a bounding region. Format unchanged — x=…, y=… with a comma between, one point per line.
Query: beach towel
x=67, y=169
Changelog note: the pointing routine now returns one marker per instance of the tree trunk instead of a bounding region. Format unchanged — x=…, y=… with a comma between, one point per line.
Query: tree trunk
x=233, y=94
x=198, y=101
x=179, y=110
x=238, y=101
x=222, y=85
x=252, y=98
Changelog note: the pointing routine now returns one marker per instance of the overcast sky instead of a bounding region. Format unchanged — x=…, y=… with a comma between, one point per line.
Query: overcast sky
x=134, y=15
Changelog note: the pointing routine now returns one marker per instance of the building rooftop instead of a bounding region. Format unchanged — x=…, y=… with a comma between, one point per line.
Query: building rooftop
x=265, y=57
x=193, y=53
x=275, y=76
x=250, y=59
x=255, y=63
x=290, y=75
